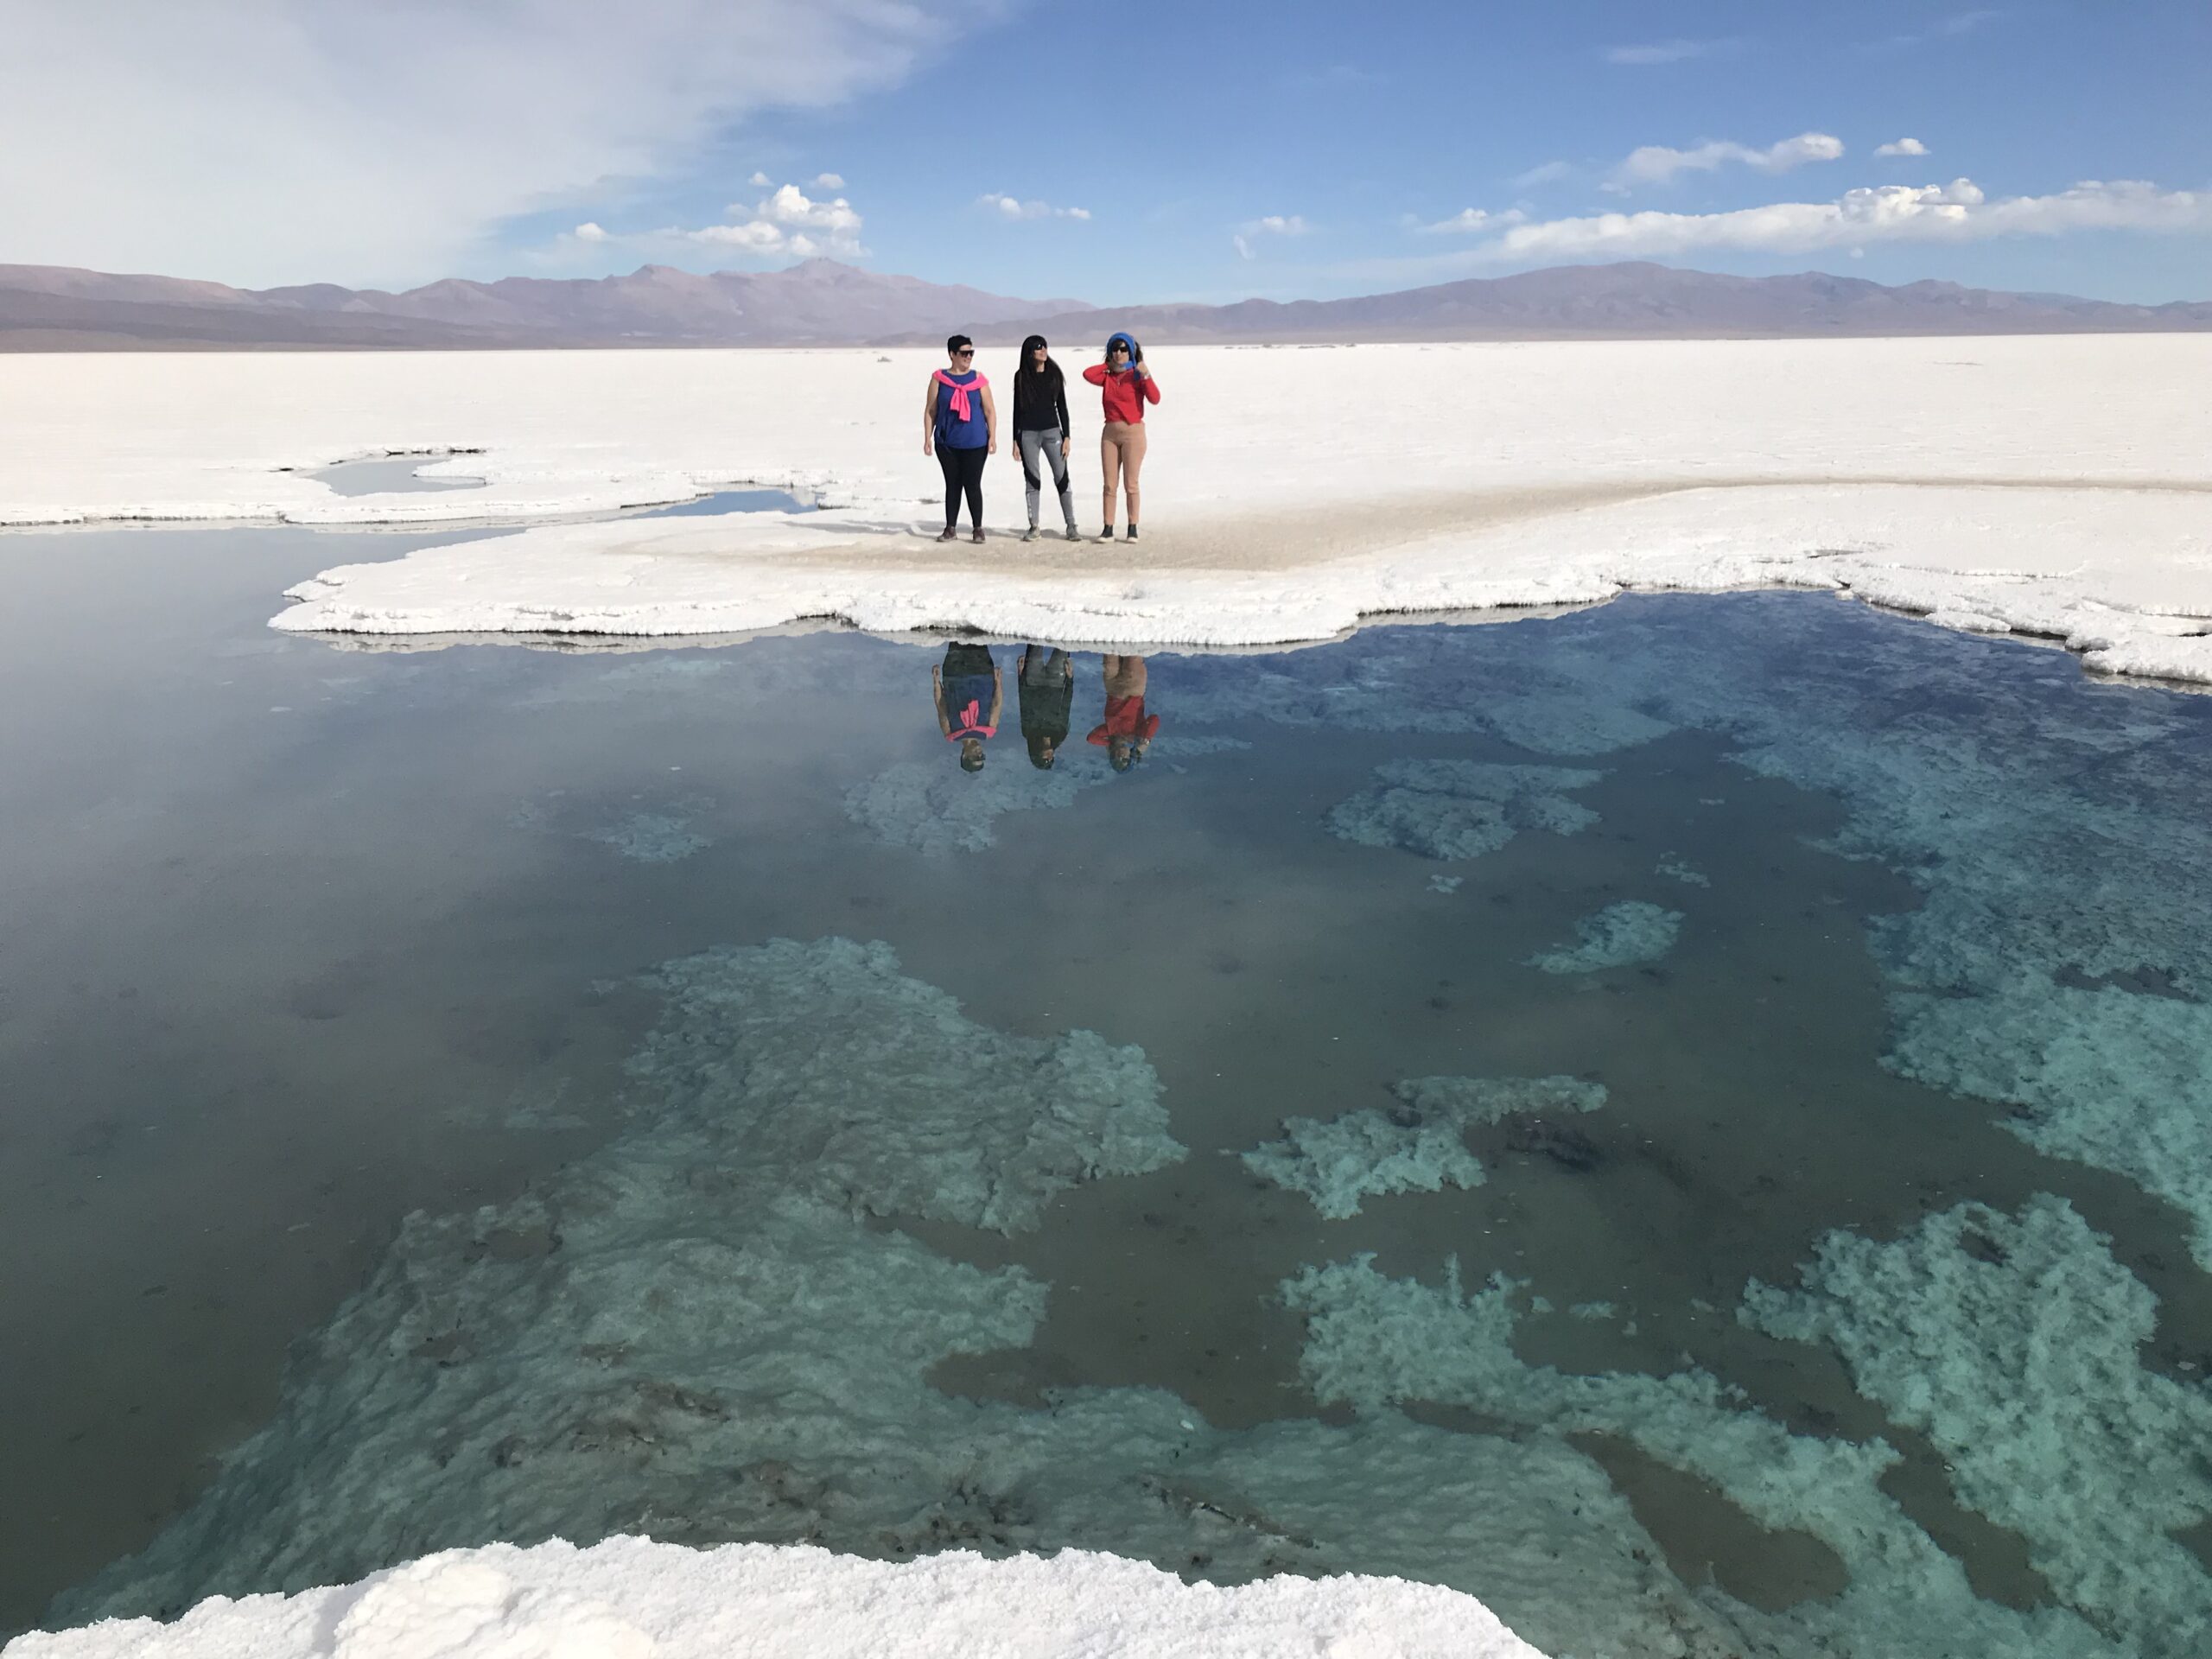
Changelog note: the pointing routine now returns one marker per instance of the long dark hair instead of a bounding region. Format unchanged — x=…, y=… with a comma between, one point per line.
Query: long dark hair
x=1029, y=381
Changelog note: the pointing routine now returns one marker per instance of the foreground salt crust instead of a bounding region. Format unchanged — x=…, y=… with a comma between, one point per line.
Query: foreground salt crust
x=2054, y=486
x=632, y=1598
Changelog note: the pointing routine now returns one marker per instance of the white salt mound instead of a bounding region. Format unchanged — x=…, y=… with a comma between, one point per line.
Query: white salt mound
x=2012, y=1343
x=633, y=1598
x=1619, y=935
x=1417, y=1145
x=1462, y=809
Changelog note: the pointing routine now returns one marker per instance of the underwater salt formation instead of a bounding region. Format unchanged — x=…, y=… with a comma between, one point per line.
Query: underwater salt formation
x=1619, y=935
x=2105, y=1077
x=1417, y=1145
x=1374, y=1342
x=694, y=1333
x=2058, y=832
x=1462, y=809
x=1416, y=680
x=2012, y=1341
x=937, y=808
x=658, y=837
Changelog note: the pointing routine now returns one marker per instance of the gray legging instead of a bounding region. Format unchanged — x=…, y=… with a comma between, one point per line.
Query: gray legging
x=1048, y=440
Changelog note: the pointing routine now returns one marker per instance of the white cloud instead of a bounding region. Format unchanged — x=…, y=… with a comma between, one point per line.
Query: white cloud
x=1954, y=27
x=1957, y=211
x=829, y=181
x=1014, y=207
x=1474, y=221
x=756, y=235
x=1667, y=51
x=1269, y=224
x=1656, y=164
x=589, y=232
x=760, y=182
x=1903, y=147
x=1544, y=173
x=788, y=224
x=271, y=141
x=791, y=206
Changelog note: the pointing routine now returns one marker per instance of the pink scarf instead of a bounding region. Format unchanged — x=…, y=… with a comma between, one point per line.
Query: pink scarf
x=961, y=409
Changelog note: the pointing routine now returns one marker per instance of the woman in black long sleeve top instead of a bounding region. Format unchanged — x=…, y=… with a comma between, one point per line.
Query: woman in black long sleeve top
x=1041, y=426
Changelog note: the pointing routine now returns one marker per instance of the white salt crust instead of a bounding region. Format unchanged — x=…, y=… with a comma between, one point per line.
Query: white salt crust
x=633, y=1598
x=1928, y=474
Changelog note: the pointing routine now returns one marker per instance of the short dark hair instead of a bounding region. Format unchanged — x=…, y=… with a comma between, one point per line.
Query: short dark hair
x=957, y=342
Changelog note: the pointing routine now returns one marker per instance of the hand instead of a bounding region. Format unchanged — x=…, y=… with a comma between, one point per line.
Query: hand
x=927, y=448
x=992, y=448
x=1065, y=442
x=1142, y=370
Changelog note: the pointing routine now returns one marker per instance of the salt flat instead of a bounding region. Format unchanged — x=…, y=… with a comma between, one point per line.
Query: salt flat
x=2056, y=487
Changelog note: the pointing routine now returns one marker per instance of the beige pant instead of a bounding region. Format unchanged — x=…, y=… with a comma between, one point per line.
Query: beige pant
x=1121, y=457
x=1125, y=676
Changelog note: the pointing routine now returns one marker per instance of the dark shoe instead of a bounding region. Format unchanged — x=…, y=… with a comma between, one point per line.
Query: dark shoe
x=1074, y=534
x=1107, y=534
x=949, y=534
x=1030, y=534
x=978, y=535
x=1132, y=532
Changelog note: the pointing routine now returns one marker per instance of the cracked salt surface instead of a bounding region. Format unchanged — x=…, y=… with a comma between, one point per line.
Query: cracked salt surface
x=883, y=1235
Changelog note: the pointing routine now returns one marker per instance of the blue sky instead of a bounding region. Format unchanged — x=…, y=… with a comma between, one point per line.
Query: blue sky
x=1136, y=151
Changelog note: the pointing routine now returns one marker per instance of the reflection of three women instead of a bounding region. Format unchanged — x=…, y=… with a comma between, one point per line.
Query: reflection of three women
x=970, y=695
x=960, y=426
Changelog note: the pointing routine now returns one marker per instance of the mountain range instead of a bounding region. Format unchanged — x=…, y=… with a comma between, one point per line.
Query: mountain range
x=822, y=302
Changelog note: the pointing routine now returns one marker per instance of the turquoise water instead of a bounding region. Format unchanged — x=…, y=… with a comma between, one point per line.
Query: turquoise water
x=1684, y=1120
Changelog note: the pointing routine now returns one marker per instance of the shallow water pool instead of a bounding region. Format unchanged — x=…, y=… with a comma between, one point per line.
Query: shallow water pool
x=1686, y=1120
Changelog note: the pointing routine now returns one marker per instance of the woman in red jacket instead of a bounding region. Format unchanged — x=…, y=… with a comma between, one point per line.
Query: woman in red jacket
x=1128, y=386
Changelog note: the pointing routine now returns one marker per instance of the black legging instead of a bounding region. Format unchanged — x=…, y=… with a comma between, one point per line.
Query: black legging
x=963, y=473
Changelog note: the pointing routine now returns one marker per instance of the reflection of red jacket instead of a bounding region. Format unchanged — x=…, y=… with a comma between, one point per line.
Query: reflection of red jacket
x=1125, y=717
x=1126, y=394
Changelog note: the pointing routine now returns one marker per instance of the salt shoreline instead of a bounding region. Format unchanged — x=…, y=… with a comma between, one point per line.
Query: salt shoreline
x=1290, y=496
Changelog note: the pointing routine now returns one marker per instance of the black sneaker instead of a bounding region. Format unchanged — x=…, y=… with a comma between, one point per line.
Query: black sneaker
x=1107, y=534
x=1132, y=532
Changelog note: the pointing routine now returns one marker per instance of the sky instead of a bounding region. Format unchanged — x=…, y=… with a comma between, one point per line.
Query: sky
x=1116, y=150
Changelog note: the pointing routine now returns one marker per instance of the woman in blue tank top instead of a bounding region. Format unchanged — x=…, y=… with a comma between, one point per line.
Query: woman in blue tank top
x=969, y=695
x=960, y=425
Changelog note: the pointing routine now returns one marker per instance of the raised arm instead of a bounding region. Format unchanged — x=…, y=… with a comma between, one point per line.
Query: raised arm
x=1096, y=374
x=1151, y=386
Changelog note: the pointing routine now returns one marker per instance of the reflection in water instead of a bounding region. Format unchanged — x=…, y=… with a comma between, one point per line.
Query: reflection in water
x=964, y=685
x=1047, y=687
x=1127, y=732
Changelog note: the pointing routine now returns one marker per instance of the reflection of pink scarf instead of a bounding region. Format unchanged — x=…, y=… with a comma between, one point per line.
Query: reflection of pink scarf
x=962, y=410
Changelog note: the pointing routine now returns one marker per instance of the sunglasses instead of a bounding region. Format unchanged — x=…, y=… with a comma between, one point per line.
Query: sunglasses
x=971, y=353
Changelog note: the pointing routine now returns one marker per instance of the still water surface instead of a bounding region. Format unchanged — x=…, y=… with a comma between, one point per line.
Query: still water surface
x=303, y=937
